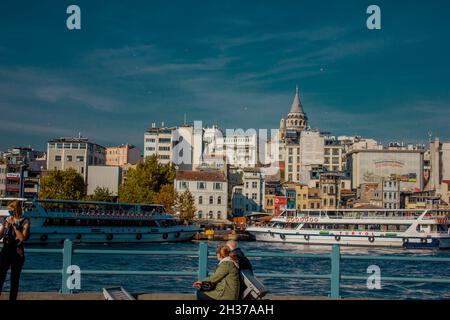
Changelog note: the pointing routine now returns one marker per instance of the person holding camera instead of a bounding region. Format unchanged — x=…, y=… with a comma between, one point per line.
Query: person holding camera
x=14, y=230
x=224, y=283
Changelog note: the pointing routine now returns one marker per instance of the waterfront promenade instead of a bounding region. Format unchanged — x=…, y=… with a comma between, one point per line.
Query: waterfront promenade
x=304, y=274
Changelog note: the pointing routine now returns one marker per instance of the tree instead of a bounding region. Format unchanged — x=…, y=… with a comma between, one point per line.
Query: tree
x=62, y=185
x=101, y=194
x=145, y=181
x=185, y=205
x=167, y=197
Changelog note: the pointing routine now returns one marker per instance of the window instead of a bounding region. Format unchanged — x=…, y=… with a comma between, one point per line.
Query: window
x=201, y=185
x=66, y=145
x=254, y=184
x=183, y=184
x=164, y=140
x=217, y=186
x=254, y=196
x=211, y=200
x=200, y=214
x=83, y=146
x=69, y=158
x=219, y=214
x=200, y=200
x=57, y=158
x=219, y=200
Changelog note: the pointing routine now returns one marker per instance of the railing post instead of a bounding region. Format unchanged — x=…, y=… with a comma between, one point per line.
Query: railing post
x=202, y=260
x=335, y=271
x=67, y=262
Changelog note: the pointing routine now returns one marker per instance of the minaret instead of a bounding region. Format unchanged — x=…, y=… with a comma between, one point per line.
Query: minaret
x=296, y=118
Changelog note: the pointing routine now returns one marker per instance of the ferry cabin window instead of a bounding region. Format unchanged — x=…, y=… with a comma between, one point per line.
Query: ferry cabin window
x=57, y=222
x=356, y=227
x=167, y=223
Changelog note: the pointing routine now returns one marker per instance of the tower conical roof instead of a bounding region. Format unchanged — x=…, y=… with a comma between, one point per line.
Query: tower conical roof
x=296, y=104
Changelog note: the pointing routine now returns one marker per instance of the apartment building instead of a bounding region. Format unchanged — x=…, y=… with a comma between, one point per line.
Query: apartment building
x=248, y=197
x=158, y=141
x=77, y=153
x=209, y=189
x=122, y=155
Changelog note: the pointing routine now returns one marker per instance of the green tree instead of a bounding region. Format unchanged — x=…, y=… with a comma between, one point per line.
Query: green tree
x=167, y=197
x=185, y=205
x=101, y=194
x=62, y=185
x=145, y=181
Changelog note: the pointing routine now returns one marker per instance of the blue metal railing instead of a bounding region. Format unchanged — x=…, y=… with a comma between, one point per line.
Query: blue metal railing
x=202, y=254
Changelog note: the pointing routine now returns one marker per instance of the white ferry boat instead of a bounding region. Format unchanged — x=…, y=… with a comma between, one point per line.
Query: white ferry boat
x=353, y=227
x=102, y=222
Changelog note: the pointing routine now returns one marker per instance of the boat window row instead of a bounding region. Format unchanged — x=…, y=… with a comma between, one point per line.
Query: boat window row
x=357, y=227
x=98, y=223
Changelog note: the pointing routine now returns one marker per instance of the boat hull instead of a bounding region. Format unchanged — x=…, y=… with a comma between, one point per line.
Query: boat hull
x=349, y=240
x=112, y=237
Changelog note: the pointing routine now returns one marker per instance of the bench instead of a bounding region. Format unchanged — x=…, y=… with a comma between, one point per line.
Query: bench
x=117, y=293
x=255, y=289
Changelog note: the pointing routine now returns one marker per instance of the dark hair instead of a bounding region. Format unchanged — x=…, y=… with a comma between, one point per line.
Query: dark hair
x=16, y=206
x=225, y=251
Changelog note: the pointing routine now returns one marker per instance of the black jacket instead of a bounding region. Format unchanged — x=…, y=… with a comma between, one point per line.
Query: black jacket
x=244, y=263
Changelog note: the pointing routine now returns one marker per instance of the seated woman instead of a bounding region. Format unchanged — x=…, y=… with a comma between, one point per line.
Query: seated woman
x=224, y=283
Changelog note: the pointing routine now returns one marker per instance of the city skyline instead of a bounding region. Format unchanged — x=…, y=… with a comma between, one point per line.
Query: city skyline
x=233, y=64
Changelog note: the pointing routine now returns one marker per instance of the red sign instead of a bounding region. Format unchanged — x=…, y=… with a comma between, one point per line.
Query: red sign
x=280, y=203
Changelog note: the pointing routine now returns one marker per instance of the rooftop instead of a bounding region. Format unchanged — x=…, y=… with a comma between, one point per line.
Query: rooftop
x=200, y=176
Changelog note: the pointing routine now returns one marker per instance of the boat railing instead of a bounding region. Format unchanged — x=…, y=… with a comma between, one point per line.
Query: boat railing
x=336, y=275
x=60, y=212
x=396, y=215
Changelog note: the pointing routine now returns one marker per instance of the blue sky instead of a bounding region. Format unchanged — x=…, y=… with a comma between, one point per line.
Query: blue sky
x=234, y=63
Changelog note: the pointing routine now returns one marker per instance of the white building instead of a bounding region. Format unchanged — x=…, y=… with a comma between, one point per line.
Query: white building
x=376, y=165
x=391, y=194
x=248, y=197
x=210, y=191
x=240, y=147
x=108, y=177
x=159, y=141
x=300, y=158
x=333, y=154
x=181, y=145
